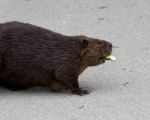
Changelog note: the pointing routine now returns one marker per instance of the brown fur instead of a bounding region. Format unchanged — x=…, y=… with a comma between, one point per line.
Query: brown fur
x=34, y=56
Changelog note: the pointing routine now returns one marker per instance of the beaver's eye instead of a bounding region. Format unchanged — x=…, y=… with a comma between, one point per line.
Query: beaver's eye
x=99, y=42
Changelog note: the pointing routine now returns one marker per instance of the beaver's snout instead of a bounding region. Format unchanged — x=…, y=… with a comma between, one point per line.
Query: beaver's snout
x=106, y=49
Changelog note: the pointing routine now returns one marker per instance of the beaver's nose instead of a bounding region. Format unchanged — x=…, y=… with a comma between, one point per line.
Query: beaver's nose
x=109, y=45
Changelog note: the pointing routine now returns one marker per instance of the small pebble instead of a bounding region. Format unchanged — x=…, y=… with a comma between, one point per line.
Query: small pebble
x=125, y=83
x=81, y=107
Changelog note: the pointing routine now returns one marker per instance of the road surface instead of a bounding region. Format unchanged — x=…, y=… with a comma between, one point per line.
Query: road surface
x=120, y=89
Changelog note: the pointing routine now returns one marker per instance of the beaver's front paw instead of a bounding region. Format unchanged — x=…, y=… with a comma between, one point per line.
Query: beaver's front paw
x=81, y=92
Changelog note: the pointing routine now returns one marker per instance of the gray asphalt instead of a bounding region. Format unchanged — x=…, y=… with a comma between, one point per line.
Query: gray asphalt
x=120, y=89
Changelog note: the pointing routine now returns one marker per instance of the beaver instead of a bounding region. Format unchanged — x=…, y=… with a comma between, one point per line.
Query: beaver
x=34, y=56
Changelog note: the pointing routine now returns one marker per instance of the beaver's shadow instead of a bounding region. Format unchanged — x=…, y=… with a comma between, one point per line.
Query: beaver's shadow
x=32, y=91
x=92, y=86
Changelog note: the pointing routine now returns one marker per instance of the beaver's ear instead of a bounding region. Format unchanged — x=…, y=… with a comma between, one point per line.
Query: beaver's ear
x=84, y=43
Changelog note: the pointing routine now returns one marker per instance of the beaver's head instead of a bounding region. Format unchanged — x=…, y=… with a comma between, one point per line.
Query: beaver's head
x=95, y=51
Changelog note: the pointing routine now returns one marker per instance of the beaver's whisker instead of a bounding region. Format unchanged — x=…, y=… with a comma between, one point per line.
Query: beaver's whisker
x=115, y=46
